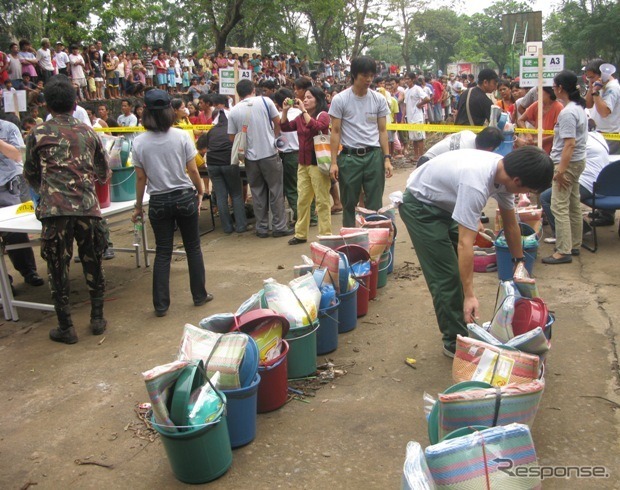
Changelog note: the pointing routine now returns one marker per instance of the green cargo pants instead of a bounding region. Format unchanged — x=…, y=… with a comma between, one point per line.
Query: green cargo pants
x=356, y=173
x=435, y=238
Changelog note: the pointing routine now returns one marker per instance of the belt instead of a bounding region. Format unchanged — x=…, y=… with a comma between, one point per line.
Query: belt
x=360, y=152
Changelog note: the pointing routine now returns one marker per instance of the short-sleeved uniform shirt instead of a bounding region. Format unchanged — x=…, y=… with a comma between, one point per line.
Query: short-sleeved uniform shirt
x=460, y=182
x=572, y=123
x=359, y=116
x=164, y=157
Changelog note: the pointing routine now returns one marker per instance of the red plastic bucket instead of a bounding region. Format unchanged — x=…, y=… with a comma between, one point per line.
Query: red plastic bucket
x=529, y=314
x=374, y=279
x=273, y=387
x=103, y=194
x=363, y=293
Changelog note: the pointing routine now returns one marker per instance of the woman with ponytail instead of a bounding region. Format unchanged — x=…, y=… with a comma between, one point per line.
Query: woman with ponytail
x=569, y=157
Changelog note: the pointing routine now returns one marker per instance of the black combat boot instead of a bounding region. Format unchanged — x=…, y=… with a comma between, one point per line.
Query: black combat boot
x=97, y=322
x=65, y=332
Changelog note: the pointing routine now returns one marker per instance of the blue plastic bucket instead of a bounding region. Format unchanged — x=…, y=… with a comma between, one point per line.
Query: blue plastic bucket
x=505, y=267
x=347, y=312
x=241, y=413
x=327, y=334
x=507, y=145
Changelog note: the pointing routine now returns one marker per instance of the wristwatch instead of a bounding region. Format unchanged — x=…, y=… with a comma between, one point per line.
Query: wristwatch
x=517, y=260
x=595, y=94
x=385, y=157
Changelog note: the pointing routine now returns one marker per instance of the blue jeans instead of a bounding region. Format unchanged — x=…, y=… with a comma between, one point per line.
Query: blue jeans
x=437, y=112
x=180, y=207
x=545, y=202
x=226, y=181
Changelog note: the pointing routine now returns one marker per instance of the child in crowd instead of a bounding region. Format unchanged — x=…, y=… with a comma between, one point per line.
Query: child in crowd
x=92, y=86
x=186, y=78
x=34, y=113
x=172, y=84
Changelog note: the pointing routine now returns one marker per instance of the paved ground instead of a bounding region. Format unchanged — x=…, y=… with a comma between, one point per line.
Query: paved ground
x=64, y=403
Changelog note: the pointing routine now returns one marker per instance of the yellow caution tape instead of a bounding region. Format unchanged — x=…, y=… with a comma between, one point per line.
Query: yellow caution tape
x=24, y=208
x=431, y=128
x=140, y=129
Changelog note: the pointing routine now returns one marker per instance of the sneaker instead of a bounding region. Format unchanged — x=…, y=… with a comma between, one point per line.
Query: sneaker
x=296, y=241
x=108, y=254
x=67, y=336
x=449, y=350
x=34, y=279
x=287, y=232
x=484, y=218
x=207, y=298
x=549, y=240
x=262, y=234
x=77, y=259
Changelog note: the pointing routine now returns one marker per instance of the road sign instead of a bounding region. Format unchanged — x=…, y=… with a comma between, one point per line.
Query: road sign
x=552, y=65
x=227, y=81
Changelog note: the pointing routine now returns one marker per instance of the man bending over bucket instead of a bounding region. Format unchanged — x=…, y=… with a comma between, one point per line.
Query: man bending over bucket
x=441, y=208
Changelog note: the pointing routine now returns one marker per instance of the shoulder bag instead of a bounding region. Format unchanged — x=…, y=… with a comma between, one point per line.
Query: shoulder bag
x=240, y=142
x=323, y=151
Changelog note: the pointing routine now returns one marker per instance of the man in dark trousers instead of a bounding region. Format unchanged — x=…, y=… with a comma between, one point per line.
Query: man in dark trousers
x=63, y=159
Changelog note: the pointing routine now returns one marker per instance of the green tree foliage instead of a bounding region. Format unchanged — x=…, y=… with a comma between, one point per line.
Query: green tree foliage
x=438, y=32
x=583, y=31
x=579, y=29
x=486, y=28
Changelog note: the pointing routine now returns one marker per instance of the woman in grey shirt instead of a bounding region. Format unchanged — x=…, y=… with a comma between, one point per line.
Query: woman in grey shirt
x=165, y=161
x=569, y=157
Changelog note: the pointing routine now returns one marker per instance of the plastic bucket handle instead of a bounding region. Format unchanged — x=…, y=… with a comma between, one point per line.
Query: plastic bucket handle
x=290, y=339
x=122, y=182
x=389, y=252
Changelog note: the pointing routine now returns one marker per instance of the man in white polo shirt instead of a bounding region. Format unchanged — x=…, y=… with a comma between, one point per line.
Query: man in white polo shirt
x=441, y=208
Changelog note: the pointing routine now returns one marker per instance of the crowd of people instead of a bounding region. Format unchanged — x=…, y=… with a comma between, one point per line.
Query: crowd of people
x=99, y=74
x=281, y=110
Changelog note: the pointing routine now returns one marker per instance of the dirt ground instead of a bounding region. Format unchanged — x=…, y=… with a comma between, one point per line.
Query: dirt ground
x=62, y=405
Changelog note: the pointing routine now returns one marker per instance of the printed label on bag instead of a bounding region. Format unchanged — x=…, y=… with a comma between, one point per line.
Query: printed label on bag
x=484, y=371
x=503, y=371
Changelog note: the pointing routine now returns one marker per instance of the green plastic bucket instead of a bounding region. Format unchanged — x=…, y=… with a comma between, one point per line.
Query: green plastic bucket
x=123, y=186
x=384, y=265
x=199, y=454
x=302, y=351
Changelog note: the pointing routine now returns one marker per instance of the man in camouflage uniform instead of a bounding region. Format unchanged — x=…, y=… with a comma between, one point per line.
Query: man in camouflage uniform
x=64, y=157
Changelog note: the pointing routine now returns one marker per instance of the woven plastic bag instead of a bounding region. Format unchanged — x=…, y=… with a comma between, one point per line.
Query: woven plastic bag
x=475, y=360
x=477, y=461
x=416, y=475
